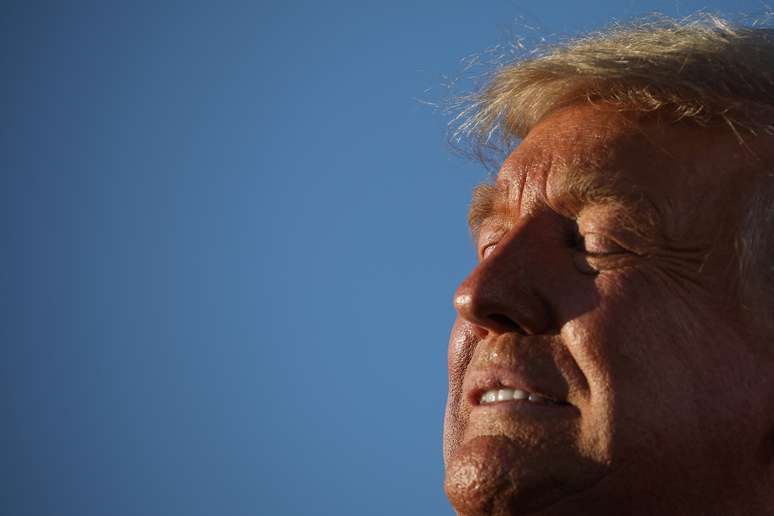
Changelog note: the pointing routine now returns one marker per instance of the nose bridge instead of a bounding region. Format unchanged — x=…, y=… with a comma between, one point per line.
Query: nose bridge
x=502, y=293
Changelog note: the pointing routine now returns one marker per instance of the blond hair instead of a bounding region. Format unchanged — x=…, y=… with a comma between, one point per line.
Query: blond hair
x=704, y=69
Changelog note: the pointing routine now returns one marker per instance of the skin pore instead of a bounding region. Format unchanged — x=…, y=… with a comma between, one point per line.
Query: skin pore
x=607, y=283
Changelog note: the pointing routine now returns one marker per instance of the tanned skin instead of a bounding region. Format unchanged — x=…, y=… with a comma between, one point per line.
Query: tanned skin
x=608, y=282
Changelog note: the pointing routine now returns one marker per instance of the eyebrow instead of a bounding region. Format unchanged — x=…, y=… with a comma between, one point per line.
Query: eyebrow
x=482, y=203
x=588, y=186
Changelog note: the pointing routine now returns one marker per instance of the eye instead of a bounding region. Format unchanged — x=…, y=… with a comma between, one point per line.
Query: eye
x=487, y=250
x=595, y=252
x=487, y=240
x=595, y=244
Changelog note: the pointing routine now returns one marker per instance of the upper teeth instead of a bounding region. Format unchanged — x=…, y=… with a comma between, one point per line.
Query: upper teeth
x=494, y=395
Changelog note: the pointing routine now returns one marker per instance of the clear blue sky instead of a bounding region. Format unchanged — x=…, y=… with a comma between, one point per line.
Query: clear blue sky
x=229, y=235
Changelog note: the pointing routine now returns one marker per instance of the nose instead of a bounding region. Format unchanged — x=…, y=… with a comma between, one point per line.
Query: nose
x=502, y=294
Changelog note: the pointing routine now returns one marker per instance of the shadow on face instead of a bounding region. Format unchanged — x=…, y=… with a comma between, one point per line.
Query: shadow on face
x=600, y=354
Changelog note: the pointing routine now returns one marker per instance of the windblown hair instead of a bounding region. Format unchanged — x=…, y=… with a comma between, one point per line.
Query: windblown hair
x=704, y=69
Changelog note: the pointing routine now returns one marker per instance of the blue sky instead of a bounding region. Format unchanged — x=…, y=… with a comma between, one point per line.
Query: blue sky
x=230, y=235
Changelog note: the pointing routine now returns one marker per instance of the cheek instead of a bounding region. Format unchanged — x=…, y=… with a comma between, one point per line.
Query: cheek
x=637, y=334
x=462, y=342
x=636, y=359
x=657, y=369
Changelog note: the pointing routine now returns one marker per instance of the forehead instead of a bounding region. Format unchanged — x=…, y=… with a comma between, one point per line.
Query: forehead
x=584, y=154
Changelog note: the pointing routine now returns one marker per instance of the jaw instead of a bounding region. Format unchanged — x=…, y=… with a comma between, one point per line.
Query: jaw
x=517, y=459
x=492, y=475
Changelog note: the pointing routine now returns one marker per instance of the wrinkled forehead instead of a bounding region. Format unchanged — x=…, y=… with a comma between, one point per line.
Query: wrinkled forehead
x=583, y=154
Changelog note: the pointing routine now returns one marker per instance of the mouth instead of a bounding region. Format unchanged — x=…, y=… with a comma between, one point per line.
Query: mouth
x=500, y=387
x=504, y=394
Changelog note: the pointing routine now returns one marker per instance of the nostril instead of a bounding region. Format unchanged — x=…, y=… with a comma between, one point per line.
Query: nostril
x=506, y=323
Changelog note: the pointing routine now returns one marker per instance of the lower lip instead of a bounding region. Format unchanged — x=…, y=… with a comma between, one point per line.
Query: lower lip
x=528, y=407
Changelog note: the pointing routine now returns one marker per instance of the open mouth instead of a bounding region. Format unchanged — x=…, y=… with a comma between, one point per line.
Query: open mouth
x=492, y=396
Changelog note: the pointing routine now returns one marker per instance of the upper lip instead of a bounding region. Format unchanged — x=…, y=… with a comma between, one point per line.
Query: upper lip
x=479, y=381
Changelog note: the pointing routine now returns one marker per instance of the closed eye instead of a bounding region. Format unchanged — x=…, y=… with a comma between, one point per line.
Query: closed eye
x=487, y=250
x=595, y=252
x=595, y=244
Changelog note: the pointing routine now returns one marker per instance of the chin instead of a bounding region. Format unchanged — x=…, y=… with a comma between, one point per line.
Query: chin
x=496, y=475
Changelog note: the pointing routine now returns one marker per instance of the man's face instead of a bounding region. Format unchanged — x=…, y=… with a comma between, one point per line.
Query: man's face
x=601, y=357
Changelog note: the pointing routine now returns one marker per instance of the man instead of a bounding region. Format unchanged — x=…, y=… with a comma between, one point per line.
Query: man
x=614, y=348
